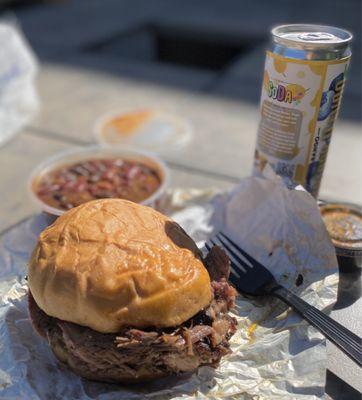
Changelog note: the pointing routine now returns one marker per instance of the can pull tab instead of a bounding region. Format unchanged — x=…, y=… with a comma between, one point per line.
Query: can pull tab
x=316, y=36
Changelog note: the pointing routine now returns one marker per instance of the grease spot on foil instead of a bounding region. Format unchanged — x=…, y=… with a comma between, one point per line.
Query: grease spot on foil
x=251, y=331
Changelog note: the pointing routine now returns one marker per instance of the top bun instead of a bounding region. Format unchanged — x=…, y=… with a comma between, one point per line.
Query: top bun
x=111, y=263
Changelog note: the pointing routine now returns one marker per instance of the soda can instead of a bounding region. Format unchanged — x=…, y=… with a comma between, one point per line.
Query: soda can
x=303, y=83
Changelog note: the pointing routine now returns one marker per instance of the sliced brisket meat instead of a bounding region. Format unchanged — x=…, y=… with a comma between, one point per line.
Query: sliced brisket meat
x=217, y=263
x=202, y=340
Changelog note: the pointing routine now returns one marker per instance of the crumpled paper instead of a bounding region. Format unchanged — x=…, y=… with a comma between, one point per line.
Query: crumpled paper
x=276, y=355
x=18, y=68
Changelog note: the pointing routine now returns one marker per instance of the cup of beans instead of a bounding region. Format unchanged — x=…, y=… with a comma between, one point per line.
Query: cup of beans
x=75, y=176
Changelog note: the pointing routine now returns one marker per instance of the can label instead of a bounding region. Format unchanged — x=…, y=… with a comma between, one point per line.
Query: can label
x=299, y=104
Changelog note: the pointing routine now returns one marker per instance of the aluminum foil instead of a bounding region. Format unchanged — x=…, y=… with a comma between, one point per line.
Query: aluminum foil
x=275, y=355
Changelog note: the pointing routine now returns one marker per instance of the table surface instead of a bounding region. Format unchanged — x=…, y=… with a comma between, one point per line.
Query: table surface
x=74, y=94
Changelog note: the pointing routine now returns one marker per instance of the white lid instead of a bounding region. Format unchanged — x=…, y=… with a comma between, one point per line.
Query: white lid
x=151, y=129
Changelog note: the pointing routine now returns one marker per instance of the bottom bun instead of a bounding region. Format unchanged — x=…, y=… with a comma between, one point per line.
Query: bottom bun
x=110, y=376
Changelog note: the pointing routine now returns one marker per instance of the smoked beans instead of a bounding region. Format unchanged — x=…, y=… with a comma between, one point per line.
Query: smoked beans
x=71, y=185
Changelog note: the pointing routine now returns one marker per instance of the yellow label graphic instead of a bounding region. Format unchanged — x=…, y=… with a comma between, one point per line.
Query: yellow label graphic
x=299, y=103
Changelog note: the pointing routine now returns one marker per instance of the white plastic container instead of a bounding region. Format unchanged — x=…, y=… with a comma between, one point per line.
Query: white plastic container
x=155, y=130
x=156, y=200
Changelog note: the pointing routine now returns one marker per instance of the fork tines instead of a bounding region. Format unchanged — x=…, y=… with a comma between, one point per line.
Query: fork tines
x=237, y=255
x=247, y=274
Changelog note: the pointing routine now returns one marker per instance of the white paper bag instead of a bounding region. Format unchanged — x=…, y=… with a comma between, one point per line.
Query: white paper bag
x=18, y=68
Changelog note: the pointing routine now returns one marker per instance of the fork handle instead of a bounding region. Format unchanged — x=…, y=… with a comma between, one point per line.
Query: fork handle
x=343, y=338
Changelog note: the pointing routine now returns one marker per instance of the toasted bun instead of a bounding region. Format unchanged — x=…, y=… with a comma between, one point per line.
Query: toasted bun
x=112, y=263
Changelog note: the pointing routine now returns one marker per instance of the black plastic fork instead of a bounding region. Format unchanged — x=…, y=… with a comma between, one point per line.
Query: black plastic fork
x=252, y=278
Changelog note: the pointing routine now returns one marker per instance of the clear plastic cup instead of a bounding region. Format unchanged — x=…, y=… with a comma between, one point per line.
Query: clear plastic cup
x=156, y=200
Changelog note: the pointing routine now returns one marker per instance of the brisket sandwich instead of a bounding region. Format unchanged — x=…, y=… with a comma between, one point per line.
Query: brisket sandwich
x=122, y=294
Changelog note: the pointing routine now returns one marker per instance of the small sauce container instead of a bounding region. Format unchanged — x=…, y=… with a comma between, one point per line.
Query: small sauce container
x=344, y=225
x=58, y=176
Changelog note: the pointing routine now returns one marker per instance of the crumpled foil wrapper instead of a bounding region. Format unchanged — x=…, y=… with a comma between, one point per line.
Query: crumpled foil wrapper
x=276, y=355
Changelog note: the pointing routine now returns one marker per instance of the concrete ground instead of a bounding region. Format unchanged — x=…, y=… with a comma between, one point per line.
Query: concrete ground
x=93, y=59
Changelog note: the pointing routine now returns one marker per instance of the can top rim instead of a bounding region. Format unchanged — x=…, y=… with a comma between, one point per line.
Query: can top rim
x=311, y=35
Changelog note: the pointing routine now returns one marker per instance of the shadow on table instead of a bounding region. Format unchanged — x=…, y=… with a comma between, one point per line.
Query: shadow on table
x=338, y=389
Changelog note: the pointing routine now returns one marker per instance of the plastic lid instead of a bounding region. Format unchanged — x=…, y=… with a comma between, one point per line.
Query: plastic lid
x=344, y=225
x=152, y=129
